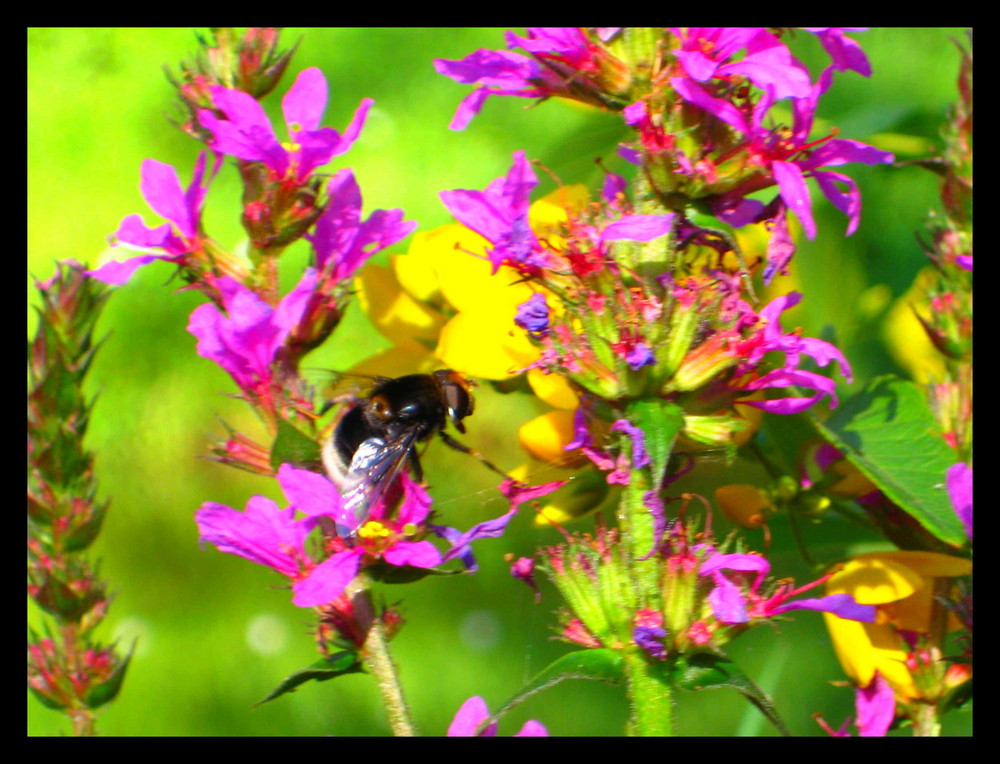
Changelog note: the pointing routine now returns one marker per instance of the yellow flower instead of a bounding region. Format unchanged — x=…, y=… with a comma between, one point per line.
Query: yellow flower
x=907, y=340
x=743, y=504
x=901, y=586
x=444, y=294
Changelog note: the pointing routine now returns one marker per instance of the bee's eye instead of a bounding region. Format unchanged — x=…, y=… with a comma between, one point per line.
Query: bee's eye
x=381, y=407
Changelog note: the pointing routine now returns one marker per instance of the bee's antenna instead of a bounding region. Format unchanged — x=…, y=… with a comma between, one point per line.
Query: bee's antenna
x=472, y=452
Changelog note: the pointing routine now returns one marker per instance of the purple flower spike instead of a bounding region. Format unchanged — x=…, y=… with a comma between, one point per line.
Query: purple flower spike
x=161, y=188
x=341, y=240
x=245, y=340
x=246, y=131
x=500, y=214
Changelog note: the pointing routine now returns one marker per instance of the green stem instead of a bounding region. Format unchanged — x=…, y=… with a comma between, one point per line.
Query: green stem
x=925, y=720
x=650, y=698
x=379, y=660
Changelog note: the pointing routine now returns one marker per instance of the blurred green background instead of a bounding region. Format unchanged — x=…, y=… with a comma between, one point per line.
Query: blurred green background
x=215, y=633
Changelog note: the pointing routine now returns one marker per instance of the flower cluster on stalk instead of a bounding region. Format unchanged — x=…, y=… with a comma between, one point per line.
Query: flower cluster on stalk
x=621, y=317
x=705, y=597
x=259, y=335
x=393, y=536
x=68, y=670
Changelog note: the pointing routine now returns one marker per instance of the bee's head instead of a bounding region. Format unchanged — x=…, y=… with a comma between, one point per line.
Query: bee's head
x=456, y=393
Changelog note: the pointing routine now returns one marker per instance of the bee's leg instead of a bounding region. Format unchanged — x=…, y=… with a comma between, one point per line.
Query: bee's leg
x=418, y=471
x=472, y=452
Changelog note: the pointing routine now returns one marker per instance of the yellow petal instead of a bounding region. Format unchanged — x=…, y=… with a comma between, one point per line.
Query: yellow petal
x=907, y=340
x=874, y=581
x=743, y=504
x=485, y=344
x=550, y=210
x=914, y=613
x=927, y=564
x=442, y=255
x=853, y=647
x=394, y=312
x=546, y=436
x=554, y=389
x=450, y=261
x=864, y=648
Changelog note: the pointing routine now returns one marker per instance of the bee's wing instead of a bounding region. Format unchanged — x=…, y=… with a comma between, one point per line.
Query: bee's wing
x=374, y=468
x=341, y=386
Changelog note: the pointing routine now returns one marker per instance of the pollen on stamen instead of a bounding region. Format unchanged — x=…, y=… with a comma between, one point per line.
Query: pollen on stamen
x=373, y=530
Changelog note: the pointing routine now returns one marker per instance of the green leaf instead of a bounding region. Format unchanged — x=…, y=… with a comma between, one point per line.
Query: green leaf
x=602, y=664
x=292, y=446
x=108, y=691
x=890, y=434
x=338, y=664
x=660, y=421
x=707, y=671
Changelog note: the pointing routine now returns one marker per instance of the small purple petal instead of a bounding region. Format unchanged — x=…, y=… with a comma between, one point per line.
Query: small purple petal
x=795, y=193
x=469, y=717
x=416, y=554
x=327, y=580
x=119, y=272
x=533, y=314
x=960, y=490
x=640, y=355
x=876, y=707
x=638, y=227
x=639, y=456
x=650, y=639
x=727, y=602
x=262, y=534
x=305, y=101
x=843, y=605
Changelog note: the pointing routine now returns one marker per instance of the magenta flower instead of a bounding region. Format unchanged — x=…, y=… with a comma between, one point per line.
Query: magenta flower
x=726, y=598
x=794, y=347
x=245, y=340
x=246, y=131
x=497, y=72
x=734, y=602
x=789, y=157
x=269, y=536
x=341, y=240
x=564, y=53
x=500, y=214
x=384, y=537
x=474, y=712
x=875, y=706
x=959, y=481
x=161, y=188
x=845, y=52
x=708, y=52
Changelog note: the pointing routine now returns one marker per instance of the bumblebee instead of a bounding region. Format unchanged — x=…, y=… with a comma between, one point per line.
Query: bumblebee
x=378, y=433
